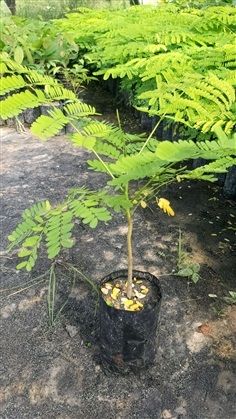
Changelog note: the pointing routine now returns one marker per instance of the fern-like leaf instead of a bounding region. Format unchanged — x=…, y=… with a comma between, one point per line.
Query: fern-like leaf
x=98, y=166
x=208, y=171
x=58, y=233
x=30, y=233
x=47, y=126
x=138, y=166
x=33, y=218
x=89, y=211
x=79, y=109
x=79, y=140
x=15, y=104
x=96, y=129
x=30, y=248
x=11, y=83
x=184, y=150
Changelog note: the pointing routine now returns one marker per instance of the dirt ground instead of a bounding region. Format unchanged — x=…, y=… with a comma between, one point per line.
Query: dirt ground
x=55, y=372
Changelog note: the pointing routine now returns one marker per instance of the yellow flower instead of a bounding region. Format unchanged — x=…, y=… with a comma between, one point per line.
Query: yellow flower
x=164, y=204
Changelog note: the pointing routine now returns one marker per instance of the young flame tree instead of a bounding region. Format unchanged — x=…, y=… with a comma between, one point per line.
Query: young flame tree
x=135, y=167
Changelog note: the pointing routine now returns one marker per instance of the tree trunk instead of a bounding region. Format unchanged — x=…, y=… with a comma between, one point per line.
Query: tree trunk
x=12, y=6
x=130, y=254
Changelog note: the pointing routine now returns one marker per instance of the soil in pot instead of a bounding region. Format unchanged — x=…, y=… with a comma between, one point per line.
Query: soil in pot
x=128, y=327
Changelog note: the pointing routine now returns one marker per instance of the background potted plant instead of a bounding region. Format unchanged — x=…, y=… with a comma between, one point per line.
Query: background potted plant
x=134, y=169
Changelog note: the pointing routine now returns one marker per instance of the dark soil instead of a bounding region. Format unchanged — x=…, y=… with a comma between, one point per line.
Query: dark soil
x=55, y=372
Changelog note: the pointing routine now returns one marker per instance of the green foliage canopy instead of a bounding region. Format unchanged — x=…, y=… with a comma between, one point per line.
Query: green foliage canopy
x=136, y=167
x=174, y=63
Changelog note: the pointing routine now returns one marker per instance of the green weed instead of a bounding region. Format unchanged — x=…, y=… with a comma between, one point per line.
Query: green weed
x=185, y=268
x=230, y=299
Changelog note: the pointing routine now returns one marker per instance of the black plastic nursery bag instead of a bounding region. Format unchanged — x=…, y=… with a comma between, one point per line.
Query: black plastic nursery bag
x=128, y=338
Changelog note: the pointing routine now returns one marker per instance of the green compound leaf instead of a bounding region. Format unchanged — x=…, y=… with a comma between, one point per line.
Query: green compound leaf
x=21, y=265
x=58, y=232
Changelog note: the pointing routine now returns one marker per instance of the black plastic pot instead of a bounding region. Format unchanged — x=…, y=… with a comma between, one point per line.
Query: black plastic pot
x=128, y=338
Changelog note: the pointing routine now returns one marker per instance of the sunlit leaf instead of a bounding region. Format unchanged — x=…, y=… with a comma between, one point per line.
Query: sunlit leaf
x=21, y=265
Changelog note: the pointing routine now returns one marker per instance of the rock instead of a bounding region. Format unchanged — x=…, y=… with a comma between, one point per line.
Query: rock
x=71, y=330
x=199, y=162
x=2, y=122
x=30, y=115
x=229, y=188
x=11, y=122
x=146, y=121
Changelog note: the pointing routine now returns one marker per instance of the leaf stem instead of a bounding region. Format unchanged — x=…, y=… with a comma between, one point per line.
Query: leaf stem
x=51, y=294
x=71, y=267
x=150, y=135
x=104, y=164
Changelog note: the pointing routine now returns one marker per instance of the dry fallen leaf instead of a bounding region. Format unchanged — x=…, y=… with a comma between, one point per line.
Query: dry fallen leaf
x=128, y=303
x=136, y=306
x=104, y=291
x=138, y=294
x=205, y=329
x=145, y=291
x=115, y=293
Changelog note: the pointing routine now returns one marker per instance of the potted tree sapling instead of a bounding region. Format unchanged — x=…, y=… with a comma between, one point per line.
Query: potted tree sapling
x=134, y=168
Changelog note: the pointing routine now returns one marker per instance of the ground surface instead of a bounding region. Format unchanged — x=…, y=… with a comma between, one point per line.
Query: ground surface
x=55, y=373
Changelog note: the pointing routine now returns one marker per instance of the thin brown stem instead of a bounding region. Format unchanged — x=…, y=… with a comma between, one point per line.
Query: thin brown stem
x=130, y=254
